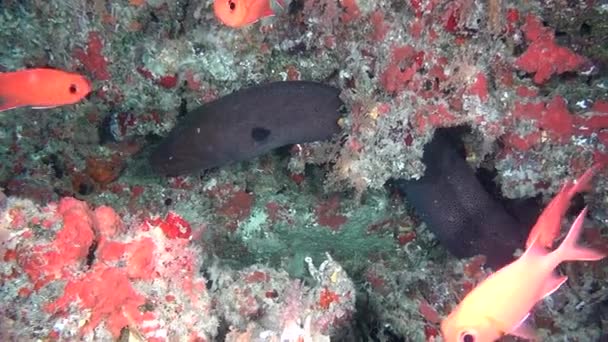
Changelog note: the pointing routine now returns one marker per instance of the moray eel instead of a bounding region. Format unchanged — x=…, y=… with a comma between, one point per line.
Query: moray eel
x=249, y=123
x=464, y=217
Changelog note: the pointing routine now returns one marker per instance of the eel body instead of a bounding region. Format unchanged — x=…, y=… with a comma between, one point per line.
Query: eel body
x=249, y=123
x=465, y=218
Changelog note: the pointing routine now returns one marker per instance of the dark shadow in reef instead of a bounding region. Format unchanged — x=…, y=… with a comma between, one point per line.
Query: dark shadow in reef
x=466, y=218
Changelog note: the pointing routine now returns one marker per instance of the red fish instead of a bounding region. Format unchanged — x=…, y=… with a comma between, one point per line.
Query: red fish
x=239, y=13
x=41, y=88
x=548, y=225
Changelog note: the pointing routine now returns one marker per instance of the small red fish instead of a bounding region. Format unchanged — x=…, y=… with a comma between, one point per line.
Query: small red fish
x=41, y=88
x=548, y=225
x=239, y=13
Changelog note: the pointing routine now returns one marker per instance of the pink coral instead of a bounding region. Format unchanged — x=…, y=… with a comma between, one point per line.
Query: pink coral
x=544, y=57
x=96, y=266
x=174, y=226
x=404, y=63
x=92, y=57
x=118, y=307
x=555, y=119
x=328, y=213
x=479, y=87
x=47, y=262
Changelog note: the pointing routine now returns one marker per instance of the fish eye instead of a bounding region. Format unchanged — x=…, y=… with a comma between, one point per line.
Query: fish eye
x=467, y=336
x=73, y=89
x=231, y=5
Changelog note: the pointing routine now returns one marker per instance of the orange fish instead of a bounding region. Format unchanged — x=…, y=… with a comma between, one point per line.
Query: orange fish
x=239, y=13
x=548, y=224
x=501, y=303
x=41, y=88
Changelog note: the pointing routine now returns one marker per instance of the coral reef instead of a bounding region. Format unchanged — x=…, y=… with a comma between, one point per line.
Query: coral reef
x=77, y=272
x=84, y=273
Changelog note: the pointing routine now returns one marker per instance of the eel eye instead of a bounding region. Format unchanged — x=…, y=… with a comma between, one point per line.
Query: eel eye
x=73, y=89
x=231, y=5
x=466, y=336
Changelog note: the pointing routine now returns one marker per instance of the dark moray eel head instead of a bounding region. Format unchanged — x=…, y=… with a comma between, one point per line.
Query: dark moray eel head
x=248, y=123
x=466, y=218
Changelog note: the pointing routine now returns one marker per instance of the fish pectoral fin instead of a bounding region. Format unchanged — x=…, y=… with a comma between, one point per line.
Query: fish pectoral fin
x=552, y=284
x=525, y=331
x=521, y=329
x=261, y=9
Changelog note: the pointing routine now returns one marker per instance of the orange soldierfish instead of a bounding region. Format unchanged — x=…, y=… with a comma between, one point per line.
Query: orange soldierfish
x=548, y=224
x=239, y=13
x=501, y=303
x=41, y=88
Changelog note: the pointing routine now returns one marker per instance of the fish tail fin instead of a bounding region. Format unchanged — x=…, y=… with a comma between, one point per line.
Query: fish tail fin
x=569, y=250
x=6, y=101
x=548, y=224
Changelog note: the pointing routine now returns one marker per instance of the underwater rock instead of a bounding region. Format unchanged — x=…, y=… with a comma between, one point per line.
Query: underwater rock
x=466, y=219
x=249, y=123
